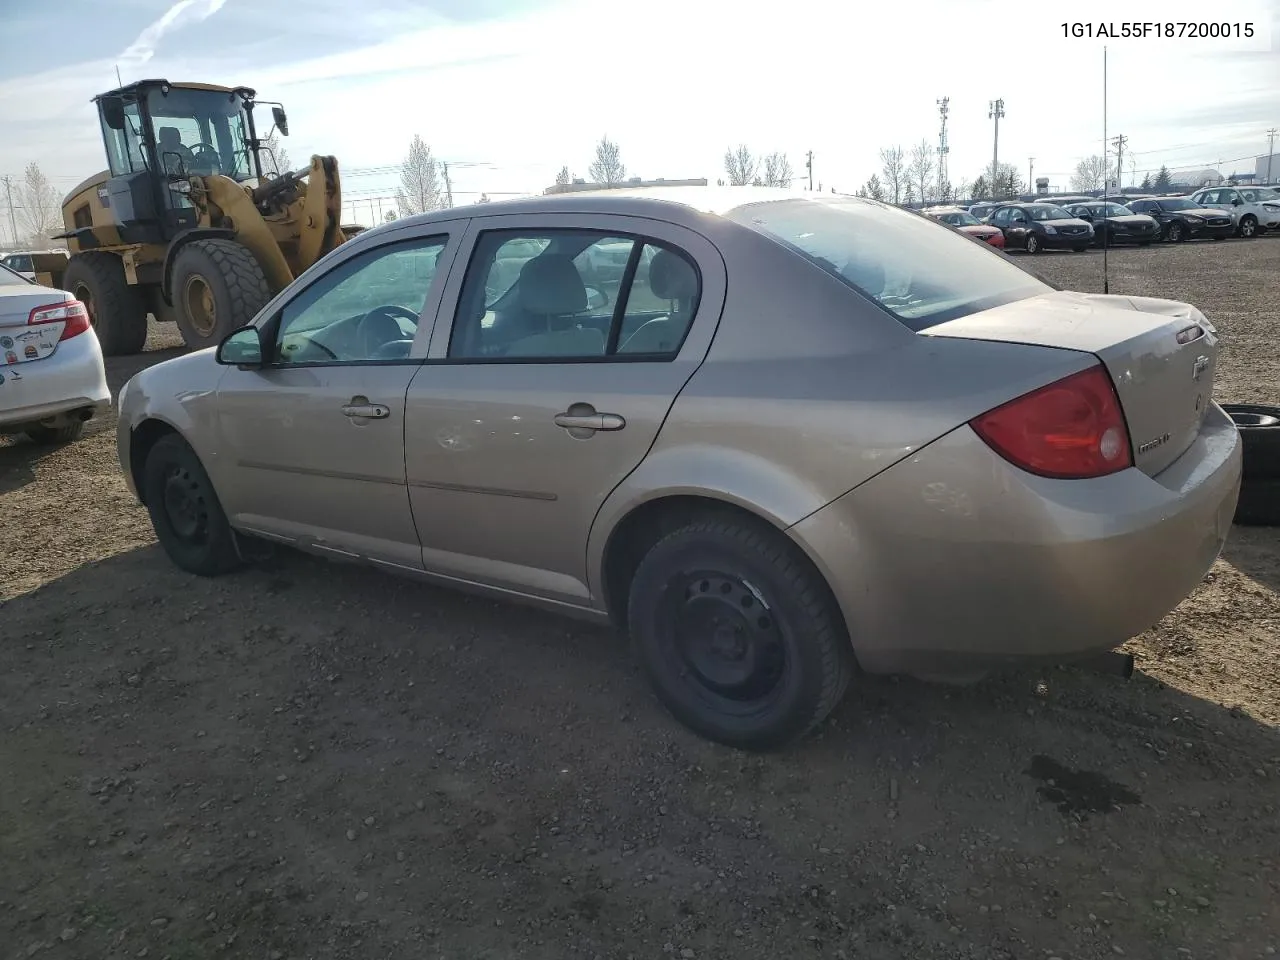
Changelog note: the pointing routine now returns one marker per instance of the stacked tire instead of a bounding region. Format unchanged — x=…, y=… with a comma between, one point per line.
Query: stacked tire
x=1259, y=427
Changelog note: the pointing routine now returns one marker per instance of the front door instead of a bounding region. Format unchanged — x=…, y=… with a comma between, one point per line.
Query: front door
x=571, y=339
x=314, y=442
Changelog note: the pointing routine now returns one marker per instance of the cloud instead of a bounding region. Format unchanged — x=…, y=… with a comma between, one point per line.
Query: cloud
x=184, y=11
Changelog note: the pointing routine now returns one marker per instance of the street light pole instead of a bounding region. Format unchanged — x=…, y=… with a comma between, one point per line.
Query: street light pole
x=995, y=113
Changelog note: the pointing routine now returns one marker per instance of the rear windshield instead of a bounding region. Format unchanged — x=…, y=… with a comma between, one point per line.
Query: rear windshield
x=7, y=277
x=918, y=270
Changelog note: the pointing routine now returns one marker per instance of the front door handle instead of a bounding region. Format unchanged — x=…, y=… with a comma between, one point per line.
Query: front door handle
x=590, y=421
x=365, y=410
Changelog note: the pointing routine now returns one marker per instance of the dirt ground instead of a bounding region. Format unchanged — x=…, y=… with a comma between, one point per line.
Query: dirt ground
x=315, y=761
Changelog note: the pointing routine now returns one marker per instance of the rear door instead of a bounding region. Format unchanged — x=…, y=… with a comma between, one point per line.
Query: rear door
x=543, y=394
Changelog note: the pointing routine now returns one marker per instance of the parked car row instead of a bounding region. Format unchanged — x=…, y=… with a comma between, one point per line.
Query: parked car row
x=1077, y=223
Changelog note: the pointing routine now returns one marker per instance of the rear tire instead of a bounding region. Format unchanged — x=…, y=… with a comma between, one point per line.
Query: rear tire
x=1259, y=427
x=117, y=311
x=1080, y=249
x=218, y=286
x=738, y=633
x=185, y=511
x=48, y=436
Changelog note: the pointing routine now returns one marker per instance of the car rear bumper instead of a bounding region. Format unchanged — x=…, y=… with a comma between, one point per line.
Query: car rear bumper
x=955, y=561
x=71, y=382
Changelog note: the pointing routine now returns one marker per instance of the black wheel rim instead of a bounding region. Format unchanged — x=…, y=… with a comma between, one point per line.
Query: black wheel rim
x=725, y=640
x=185, y=507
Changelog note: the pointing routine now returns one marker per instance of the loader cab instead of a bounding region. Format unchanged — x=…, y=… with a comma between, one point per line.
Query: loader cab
x=158, y=135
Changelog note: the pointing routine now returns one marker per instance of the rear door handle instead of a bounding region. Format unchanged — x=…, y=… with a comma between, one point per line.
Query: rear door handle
x=366, y=411
x=590, y=421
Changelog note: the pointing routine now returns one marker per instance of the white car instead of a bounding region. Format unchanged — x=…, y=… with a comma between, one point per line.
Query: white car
x=22, y=262
x=52, y=379
x=1250, y=217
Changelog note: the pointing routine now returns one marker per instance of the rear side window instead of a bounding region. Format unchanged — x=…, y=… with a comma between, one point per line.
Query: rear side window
x=917, y=270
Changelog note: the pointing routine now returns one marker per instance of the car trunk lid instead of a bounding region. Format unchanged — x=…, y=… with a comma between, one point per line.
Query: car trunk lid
x=20, y=342
x=1161, y=355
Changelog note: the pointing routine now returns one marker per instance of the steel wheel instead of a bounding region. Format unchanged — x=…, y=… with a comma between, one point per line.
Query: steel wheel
x=82, y=293
x=185, y=506
x=1176, y=232
x=197, y=296
x=726, y=639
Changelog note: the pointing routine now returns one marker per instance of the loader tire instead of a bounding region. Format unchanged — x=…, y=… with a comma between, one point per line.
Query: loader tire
x=117, y=311
x=218, y=286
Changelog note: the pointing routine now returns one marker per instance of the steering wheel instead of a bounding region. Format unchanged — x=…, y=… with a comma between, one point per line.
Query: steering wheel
x=205, y=155
x=374, y=336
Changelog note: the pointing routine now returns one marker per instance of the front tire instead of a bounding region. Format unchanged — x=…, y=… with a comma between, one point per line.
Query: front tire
x=1176, y=233
x=1248, y=226
x=117, y=311
x=185, y=512
x=1033, y=244
x=218, y=286
x=738, y=633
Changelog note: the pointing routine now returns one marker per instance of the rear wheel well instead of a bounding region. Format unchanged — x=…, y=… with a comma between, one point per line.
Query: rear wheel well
x=143, y=437
x=646, y=525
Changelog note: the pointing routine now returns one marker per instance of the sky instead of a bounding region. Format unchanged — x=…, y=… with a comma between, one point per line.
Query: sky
x=508, y=91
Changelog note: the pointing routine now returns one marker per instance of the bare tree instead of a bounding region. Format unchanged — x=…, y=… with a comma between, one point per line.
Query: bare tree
x=564, y=176
x=962, y=192
x=777, y=170
x=740, y=165
x=39, y=204
x=1091, y=173
x=895, y=174
x=1008, y=182
x=920, y=170
x=419, y=180
x=274, y=151
x=607, y=166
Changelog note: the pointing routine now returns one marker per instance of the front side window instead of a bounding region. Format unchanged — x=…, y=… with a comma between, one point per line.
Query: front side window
x=573, y=295
x=367, y=308
x=921, y=275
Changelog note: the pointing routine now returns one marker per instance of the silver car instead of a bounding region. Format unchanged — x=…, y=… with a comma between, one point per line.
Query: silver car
x=1251, y=217
x=813, y=434
x=51, y=375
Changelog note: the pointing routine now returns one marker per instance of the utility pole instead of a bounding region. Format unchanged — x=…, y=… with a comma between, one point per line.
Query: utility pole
x=1120, y=143
x=809, y=164
x=8, y=192
x=448, y=189
x=1271, y=151
x=995, y=113
x=943, y=149
x=1031, y=170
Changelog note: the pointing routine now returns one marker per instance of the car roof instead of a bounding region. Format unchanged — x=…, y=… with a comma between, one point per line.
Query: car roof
x=678, y=204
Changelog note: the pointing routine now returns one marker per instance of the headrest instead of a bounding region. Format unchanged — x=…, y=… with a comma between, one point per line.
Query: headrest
x=671, y=277
x=169, y=135
x=550, y=285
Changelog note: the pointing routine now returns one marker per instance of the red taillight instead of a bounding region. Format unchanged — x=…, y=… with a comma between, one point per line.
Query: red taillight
x=1071, y=429
x=72, y=313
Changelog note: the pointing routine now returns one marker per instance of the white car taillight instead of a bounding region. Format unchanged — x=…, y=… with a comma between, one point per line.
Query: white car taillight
x=72, y=313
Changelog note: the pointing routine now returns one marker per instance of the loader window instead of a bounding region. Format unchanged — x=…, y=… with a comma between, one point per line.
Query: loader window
x=205, y=129
x=124, y=145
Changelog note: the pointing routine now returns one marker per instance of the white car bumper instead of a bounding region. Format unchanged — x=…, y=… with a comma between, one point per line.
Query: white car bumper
x=69, y=384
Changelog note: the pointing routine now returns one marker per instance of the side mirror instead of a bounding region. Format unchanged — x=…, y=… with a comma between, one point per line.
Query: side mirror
x=241, y=348
x=113, y=112
x=596, y=298
x=1236, y=202
x=281, y=121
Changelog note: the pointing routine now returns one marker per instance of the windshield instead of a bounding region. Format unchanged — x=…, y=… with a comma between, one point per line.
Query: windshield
x=922, y=275
x=1047, y=211
x=201, y=131
x=960, y=218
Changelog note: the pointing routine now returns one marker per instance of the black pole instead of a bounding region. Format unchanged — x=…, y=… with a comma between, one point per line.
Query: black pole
x=1106, y=279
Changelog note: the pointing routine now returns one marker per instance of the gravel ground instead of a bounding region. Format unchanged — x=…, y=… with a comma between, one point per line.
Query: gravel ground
x=308, y=760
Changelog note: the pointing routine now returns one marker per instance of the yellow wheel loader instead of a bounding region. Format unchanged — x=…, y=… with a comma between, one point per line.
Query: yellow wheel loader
x=191, y=222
